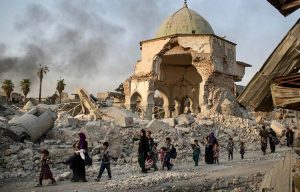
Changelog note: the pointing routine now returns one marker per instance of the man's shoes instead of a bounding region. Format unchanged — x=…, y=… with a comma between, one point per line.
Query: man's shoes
x=97, y=179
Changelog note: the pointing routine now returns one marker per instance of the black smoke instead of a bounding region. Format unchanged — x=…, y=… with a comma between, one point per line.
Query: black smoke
x=91, y=44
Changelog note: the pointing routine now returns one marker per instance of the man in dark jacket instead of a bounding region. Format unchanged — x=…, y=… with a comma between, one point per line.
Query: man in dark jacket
x=272, y=137
x=264, y=139
x=289, y=137
x=143, y=150
x=150, y=140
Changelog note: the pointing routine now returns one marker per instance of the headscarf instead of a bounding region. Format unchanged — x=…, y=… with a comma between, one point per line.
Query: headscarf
x=82, y=142
x=211, y=138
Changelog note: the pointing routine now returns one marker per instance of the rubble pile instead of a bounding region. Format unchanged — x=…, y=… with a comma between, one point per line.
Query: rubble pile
x=122, y=130
x=20, y=159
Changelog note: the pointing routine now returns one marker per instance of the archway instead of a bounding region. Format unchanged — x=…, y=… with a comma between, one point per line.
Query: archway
x=180, y=79
x=161, y=105
x=135, y=104
x=186, y=105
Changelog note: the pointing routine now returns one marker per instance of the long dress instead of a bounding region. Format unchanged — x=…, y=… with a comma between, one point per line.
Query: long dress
x=78, y=167
x=45, y=170
x=209, y=152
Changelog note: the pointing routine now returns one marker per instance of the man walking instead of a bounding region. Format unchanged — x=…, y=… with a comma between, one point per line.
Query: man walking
x=143, y=150
x=264, y=139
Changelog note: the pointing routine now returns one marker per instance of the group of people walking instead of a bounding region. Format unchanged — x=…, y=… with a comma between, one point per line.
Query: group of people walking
x=76, y=162
x=149, y=154
x=270, y=135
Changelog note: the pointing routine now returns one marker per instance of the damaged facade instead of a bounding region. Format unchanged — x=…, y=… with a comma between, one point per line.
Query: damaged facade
x=187, y=65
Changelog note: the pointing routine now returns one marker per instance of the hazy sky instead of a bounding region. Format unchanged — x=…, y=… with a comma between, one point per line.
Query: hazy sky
x=95, y=44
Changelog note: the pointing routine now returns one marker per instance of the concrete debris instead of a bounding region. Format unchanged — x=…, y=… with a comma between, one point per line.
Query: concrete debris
x=113, y=137
x=88, y=104
x=22, y=159
x=206, y=122
x=122, y=117
x=63, y=176
x=156, y=125
x=170, y=121
x=28, y=106
x=183, y=129
x=185, y=119
x=72, y=121
x=36, y=122
x=227, y=105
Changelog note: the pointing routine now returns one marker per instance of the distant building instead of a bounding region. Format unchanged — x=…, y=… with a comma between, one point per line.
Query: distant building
x=16, y=97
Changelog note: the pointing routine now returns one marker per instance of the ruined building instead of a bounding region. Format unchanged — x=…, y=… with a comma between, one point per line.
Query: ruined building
x=187, y=64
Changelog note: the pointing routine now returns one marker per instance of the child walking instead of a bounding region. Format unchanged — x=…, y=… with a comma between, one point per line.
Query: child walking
x=105, y=162
x=162, y=155
x=216, y=150
x=154, y=156
x=45, y=169
x=242, y=150
x=196, y=152
x=230, y=147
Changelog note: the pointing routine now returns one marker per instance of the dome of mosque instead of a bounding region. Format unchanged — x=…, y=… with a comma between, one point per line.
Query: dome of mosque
x=184, y=21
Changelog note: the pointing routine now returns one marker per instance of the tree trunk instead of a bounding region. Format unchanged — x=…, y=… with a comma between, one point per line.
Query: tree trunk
x=25, y=96
x=40, y=93
x=60, y=97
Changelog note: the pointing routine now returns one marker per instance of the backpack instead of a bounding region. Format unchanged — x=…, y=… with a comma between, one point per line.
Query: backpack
x=173, y=152
x=88, y=161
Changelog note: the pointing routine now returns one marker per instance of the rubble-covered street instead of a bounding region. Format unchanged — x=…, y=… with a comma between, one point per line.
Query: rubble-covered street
x=20, y=160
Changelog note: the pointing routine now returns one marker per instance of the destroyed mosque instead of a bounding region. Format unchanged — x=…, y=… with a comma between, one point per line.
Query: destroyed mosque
x=187, y=65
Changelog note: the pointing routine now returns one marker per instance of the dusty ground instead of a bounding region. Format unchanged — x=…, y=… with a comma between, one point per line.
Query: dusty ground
x=249, y=172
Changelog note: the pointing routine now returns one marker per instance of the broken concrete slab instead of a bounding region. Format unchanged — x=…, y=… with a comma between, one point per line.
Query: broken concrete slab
x=63, y=176
x=28, y=106
x=122, y=117
x=156, y=125
x=183, y=129
x=227, y=105
x=94, y=130
x=36, y=122
x=72, y=121
x=124, y=121
x=185, y=119
x=170, y=121
x=15, y=132
x=114, y=138
x=206, y=122
x=3, y=119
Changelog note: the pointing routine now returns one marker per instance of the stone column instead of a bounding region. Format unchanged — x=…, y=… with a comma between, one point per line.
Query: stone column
x=167, y=111
x=147, y=111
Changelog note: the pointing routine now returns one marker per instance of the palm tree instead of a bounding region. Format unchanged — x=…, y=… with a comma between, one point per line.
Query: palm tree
x=7, y=87
x=40, y=74
x=60, y=87
x=25, y=87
